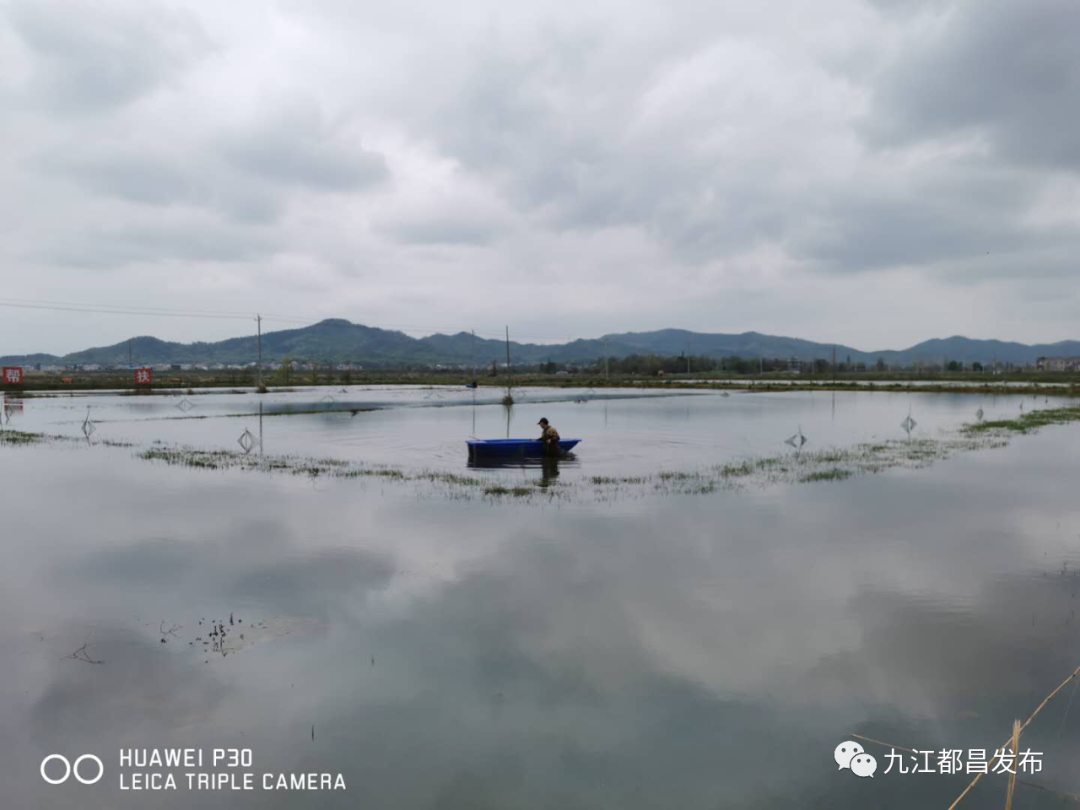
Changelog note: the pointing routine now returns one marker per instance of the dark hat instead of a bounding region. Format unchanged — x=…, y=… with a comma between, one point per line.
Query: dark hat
x=543, y=420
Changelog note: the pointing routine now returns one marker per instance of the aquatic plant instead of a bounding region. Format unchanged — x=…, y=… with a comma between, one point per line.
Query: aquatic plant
x=18, y=437
x=501, y=491
x=832, y=474
x=1026, y=422
x=738, y=470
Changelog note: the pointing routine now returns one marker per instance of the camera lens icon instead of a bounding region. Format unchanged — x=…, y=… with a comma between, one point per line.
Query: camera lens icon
x=70, y=769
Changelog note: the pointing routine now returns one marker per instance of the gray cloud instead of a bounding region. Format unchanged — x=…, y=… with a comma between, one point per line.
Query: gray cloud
x=193, y=178
x=1004, y=71
x=295, y=146
x=445, y=231
x=180, y=241
x=966, y=216
x=137, y=178
x=91, y=57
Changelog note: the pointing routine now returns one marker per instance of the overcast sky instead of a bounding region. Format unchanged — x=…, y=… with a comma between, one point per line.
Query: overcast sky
x=872, y=173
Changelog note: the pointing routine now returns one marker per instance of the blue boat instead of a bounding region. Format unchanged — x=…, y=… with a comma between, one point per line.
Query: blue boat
x=513, y=448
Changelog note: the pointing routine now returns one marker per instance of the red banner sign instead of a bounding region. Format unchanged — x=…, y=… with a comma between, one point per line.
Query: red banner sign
x=12, y=375
x=144, y=376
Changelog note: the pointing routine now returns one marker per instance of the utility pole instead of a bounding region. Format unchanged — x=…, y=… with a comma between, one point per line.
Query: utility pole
x=508, y=400
x=607, y=373
x=258, y=320
x=129, y=353
x=472, y=358
x=687, y=361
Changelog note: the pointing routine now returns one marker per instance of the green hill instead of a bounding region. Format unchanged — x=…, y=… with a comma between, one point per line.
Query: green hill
x=339, y=341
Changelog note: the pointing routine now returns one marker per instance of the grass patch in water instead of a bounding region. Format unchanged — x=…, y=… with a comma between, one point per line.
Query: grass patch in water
x=832, y=474
x=823, y=465
x=616, y=480
x=675, y=475
x=1025, y=423
x=453, y=479
x=229, y=460
x=499, y=491
x=738, y=470
x=19, y=437
x=315, y=467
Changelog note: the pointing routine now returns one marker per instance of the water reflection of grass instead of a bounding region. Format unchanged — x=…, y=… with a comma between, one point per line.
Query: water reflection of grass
x=824, y=465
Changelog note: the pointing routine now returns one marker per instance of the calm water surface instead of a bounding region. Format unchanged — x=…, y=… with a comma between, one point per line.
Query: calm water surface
x=659, y=652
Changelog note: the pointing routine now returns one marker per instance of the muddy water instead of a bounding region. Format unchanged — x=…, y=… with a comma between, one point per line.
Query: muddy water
x=654, y=652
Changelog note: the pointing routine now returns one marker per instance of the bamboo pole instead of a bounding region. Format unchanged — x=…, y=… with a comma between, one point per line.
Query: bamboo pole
x=1016, y=765
x=1068, y=797
x=1023, y=727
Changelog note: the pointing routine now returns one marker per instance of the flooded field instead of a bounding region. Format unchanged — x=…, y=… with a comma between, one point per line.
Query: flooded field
x=624, y=431
x=636, y=644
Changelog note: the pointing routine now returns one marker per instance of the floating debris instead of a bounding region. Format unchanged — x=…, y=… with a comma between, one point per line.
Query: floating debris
x=185, y=405
x=979, y=415
x=83, y=655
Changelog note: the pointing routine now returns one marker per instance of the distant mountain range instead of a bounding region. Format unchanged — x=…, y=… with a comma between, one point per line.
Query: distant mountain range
x=340, y=341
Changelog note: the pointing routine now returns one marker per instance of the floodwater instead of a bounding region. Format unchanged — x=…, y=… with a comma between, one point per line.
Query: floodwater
x=656, y=652
x=629, y=431
x=796, y=380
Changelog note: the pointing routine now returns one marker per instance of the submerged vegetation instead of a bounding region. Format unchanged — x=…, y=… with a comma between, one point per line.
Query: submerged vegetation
x=817, y=466
x=16, y=437
x=1027, y=422
x=831, y=474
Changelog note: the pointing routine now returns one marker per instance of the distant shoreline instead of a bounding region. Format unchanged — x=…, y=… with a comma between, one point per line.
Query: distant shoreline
x=173, y=383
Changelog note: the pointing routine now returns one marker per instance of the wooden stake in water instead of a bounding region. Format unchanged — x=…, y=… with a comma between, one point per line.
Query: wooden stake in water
x=1023, y=726
x=258, y=320
x=509, y=398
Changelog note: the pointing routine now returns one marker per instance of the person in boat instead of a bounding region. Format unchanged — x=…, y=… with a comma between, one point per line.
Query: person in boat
x=550, y=437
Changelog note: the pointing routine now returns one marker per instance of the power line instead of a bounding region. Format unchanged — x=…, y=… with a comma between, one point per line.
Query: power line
x=104, y=311
x=140, y=308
